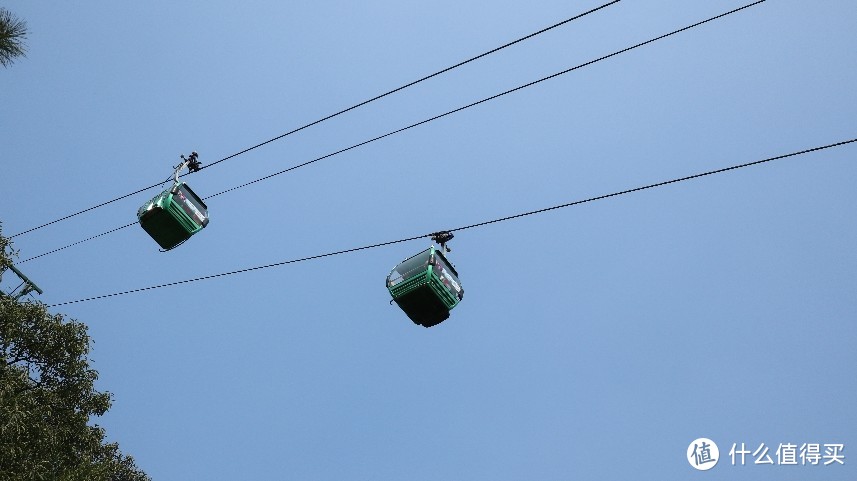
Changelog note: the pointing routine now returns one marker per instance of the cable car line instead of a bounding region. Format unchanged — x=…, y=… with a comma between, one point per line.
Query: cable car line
x=414, y=82
x=86, y=210
x=78, y=242
x=355, y=106
x=293, y=261
x=487, y=99
x=436, y=117
x=479, y=224
x=658, y=184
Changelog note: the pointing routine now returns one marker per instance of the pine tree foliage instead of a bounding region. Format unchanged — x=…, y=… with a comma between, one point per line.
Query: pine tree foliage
x=13, y=32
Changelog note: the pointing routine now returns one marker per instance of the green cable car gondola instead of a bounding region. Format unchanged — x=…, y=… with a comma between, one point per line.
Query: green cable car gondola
x=426, y=286
x=175, y=214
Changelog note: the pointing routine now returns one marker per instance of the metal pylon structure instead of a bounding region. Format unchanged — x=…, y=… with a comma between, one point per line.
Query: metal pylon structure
x=25, y=287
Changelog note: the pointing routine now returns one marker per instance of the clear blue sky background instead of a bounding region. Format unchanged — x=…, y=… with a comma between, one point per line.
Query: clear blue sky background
x=595, y=342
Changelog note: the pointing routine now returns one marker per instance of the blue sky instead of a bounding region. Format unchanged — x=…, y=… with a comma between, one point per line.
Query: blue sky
x=596, y=341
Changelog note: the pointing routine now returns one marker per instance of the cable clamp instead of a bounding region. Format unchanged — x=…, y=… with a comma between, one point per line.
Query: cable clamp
x=191, y=162
x=441, y=238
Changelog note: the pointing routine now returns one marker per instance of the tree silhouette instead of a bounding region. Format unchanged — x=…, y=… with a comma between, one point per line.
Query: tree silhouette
x=48, y=399
x=13, y=31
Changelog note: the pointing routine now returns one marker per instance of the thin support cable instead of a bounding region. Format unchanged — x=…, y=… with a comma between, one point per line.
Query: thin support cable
x=591, y=62
x=86, y=210
x=473, y=226
x=410, y=84
x=487, y=99
x=240, y=271
x=652, y=186
x=78, y=242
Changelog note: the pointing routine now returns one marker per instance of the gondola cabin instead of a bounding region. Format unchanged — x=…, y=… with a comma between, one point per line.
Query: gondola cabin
x=426, y=287
x=173, y=216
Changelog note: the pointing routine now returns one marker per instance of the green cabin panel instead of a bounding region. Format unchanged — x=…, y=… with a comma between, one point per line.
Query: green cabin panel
x=173, y=216
x=425, y=287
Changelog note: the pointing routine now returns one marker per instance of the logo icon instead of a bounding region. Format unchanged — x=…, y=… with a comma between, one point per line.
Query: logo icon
x=703, y=454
